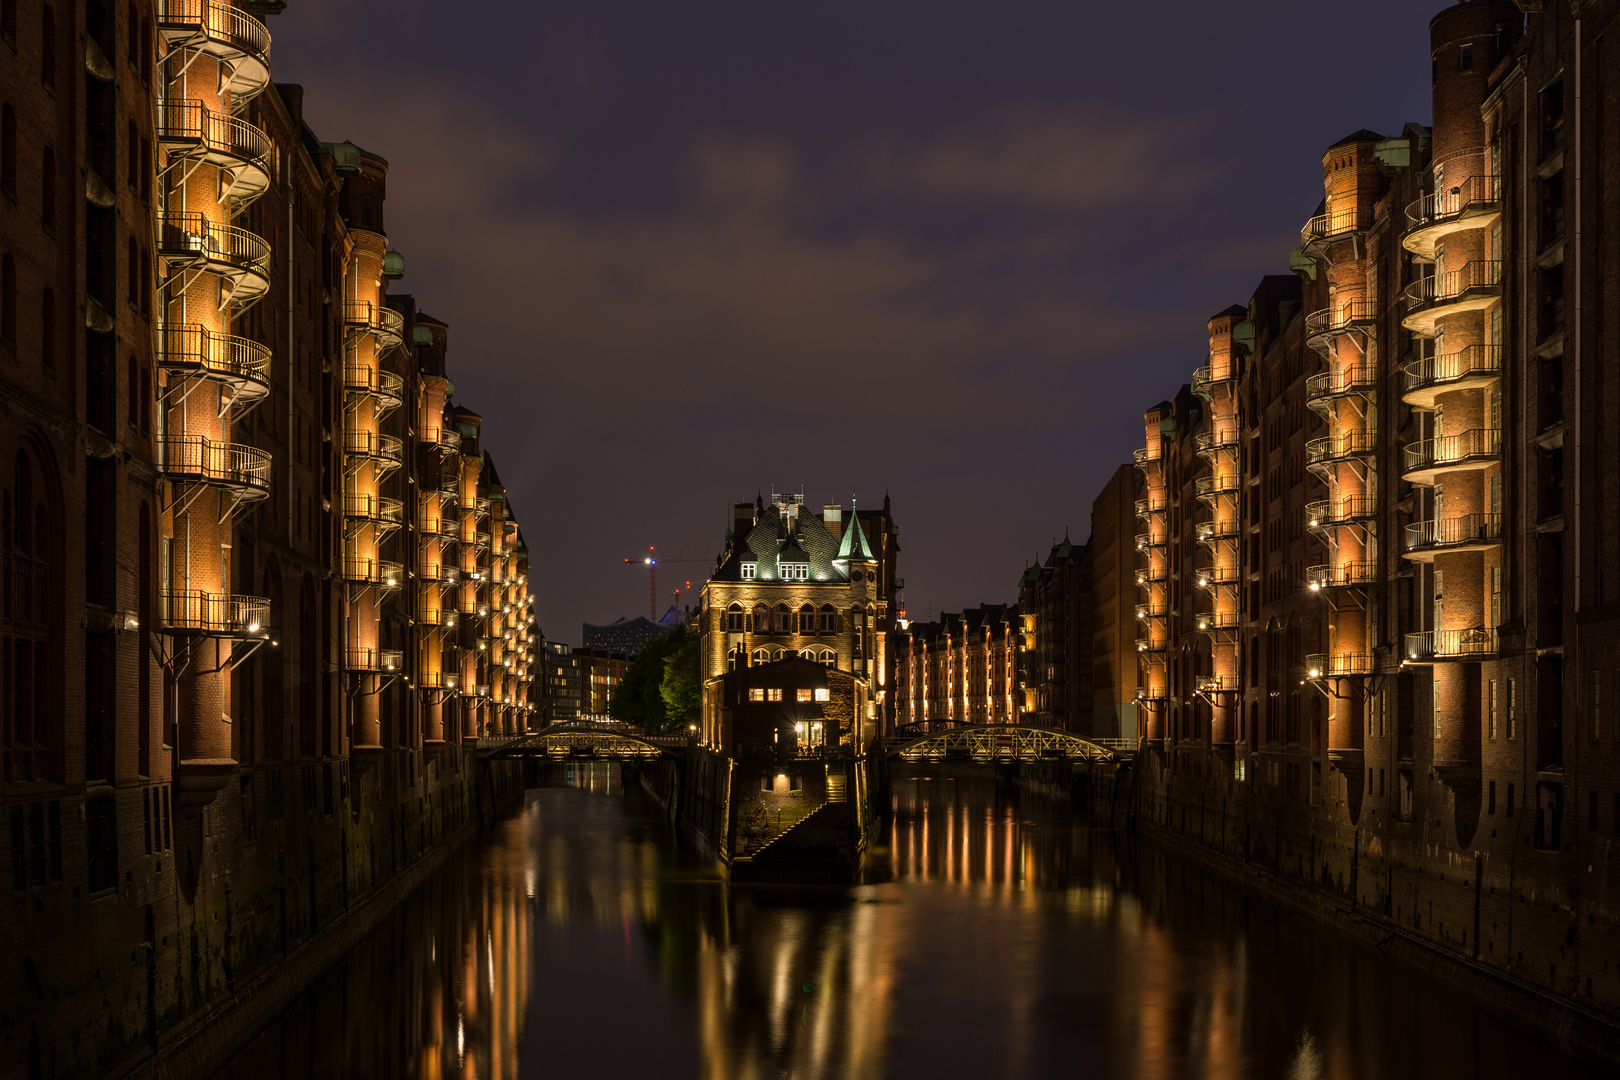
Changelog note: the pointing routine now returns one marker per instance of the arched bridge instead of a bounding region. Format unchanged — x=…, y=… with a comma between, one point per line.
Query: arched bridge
x=564, y=742
x=1008, y=742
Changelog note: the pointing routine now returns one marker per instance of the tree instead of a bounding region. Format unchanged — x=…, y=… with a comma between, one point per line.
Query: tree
x=682, y=686
x=640, y=700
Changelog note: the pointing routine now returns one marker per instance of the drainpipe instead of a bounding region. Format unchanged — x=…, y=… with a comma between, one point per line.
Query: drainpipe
x=292, y=353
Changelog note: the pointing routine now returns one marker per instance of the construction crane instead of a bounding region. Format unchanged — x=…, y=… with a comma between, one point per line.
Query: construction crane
x=652, y=560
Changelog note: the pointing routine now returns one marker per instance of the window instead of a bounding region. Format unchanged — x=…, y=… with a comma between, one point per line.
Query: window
x=8, y=299
x=1591, y=809
x=829, y=658
x=761, y=656
x=756, y=693
x=807, y=620
x=829, y=619
x=8, y=149
x=748, y=569
x=132, y=146
x=762, y=619
x=1512, y=725
x=1491, y=708
x=784, y=619
x=47, y=47
x=1490, y=797
x=804, y=693
x=822, y=694
x=1465, y=58
x=47, y=318
x=773, y=694
x=1496, y=575
x=1596, y=705
x=734, y=618
x=47, y=188
x=132, y=392
x=132, y=271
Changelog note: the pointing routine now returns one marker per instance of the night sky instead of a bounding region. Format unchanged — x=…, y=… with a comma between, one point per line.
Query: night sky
x=691, y=251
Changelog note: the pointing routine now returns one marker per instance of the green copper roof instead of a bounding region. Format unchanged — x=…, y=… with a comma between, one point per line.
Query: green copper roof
x=855, y=545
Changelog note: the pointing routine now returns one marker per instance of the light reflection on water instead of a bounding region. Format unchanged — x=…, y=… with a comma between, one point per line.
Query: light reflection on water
x=1001, y=937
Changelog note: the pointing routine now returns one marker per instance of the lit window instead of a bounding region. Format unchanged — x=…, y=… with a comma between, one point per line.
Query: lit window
x=756, y=694
x=748, y=569
x=773, y=694
x=822, y=694
x=804, y=694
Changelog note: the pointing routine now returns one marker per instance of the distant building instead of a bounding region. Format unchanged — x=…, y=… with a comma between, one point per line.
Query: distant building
x=562, y=697
x=630, y=636
x=1054, y=601
x=960, y=668
x=1113, y=604
x=600, y=675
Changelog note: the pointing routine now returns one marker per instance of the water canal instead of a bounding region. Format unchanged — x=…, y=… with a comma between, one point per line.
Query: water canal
x=1001, y=936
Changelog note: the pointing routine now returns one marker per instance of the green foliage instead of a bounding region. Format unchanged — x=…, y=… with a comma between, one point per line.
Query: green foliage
x=662, y=687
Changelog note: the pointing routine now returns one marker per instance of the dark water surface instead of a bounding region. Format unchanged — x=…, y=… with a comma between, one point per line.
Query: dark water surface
x=1005, y=938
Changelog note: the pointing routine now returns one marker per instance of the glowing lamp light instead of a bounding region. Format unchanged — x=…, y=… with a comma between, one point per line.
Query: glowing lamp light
x=1315, y=673
x=1316, y=586
x=253, y=627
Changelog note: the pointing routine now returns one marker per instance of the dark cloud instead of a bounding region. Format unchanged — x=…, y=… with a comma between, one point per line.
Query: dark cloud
x=948, y=249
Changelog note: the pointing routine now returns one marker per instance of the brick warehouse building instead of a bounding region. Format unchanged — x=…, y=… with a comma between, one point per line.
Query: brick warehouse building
x=1381, y=575
x=962, y=668
x=304, y=593
x=792, y=581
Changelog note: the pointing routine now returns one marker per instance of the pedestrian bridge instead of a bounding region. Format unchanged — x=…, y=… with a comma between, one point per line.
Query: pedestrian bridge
x=574, y=742
x=1007, y=742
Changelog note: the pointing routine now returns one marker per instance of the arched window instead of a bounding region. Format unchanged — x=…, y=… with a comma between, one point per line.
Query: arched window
x=47, y=47
x=8, y=299
x=47, y=188
x=784, y=619
x=132, y=271
x=762, y=656
x=807, y=620
x=829, y=619
x=8, y=148
x=47, y=337
x=829, y=658
x=762, y=619
x=734, y=618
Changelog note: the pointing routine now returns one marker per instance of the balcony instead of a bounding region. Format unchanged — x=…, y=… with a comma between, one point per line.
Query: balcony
x=1215, y=485
x=368, y=571
x=1324, y=389
x=1150, y=540
x=1427, y=646
x=1337, y=665
x=193, y=242
x=378, y=660
x=242, y=470
x=1213, y=621
x=434, y=522
x=1474, y=203
x=1152, y=648
x=1218, y=439
x=1470, y=532
x=1474, y=287
x=439, y=573
x=189, y=129
x=1322, y=327
x=430, y=614
x=1474, y=368
x=1333, y=449
x=1150, y=574
x=1345, y=510
x=1346, y=575
x=1143, y=458
x=384, y=449
x=384, y=387
x=446, y=441
x=1211, y=577
x=389, y=327
x=214, y=614
x=1213, y=376
x=1156, y=609
x=223, y=32
x=1153, y=504
x=438, y=680
x=1213, y=684
x=1325, y=229
x=1210, y=532
x=190, y=351
x=1477, y=448
x=375, y=508
x=1150, y=693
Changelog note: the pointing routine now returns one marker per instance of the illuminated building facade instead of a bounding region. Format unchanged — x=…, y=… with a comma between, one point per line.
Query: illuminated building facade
x=1112, y=550
x=1396, y=474
x=794, y=582
x=239, y=692
x=962, y=668
x=1055, y=606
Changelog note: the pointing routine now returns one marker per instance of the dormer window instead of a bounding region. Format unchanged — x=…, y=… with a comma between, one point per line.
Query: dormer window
x=795, y=571
x=748, y=570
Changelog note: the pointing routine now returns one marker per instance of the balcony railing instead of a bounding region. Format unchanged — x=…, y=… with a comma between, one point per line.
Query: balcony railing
x=192, y=349
x=1356, y=379
x=1337, y=665
x=372, y=445
x=1323, y=226
x=1153, y=610
x=1476, y=444
x=1212, y=684
x=215, y=614
x=1345, y=575
x=1474, y=362
x=189, y=127
x=1465, y=531
x=1211, y=576
x=1453, y=285
x=364, y=379
x=1147, y=540
x=1223, y=437
x=1153, y=504
x=1151, y=645
x=1452, y=202
x=227, y=250
x=446, y=439
x=197, y=458
x=1212, y=375
x=373, y=508
x=389, y=325
x=1219, y=483
x=1143, y=458
x=223, y=31
x=390, y=575
x=1219, y=529
x=1325, y=513
x=1149, y=574
x=1451, y=644
x=1356, y=444
x=1340, y=318
x=1218, y=620
x=383, y=660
